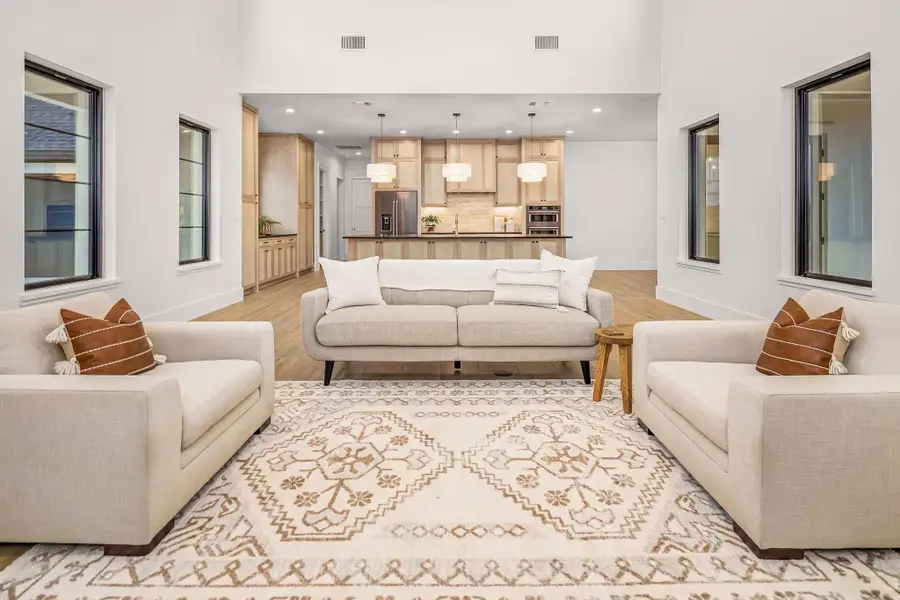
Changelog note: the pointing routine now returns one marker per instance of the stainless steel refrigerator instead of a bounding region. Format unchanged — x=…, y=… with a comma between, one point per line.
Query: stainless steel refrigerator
x=396, y=213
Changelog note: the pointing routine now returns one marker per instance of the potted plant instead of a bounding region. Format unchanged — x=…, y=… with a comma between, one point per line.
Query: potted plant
x=430, y=222
x=267, y=225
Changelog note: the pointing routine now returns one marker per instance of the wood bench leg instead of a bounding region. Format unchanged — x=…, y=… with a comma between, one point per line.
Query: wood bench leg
x=603, y=351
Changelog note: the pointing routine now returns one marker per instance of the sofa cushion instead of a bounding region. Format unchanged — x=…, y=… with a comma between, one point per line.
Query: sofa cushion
x=698, y=391
x=210, y=389
x=23, y=349
x=388, y=325
x=506, y=325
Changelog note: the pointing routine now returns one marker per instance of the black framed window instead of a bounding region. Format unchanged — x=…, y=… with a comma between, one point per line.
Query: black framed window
x=62, y=178
x=834, y=177
x=704, y=191
x=193, y=190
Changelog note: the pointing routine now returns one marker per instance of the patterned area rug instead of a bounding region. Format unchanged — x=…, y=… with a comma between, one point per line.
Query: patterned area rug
x=451, y=489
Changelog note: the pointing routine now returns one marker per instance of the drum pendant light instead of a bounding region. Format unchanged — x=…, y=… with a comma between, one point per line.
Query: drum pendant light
x=532, y=172
x=456, y=171
x=380, y=172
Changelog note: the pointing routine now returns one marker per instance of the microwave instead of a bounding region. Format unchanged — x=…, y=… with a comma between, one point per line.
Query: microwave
x=542, y=219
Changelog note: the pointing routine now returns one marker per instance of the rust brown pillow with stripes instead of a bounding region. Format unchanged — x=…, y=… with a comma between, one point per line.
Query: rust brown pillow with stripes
x=798, y=345
x=113, y=345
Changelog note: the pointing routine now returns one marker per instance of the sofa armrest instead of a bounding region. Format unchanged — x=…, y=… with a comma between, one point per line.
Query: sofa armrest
x=219, y=340
x=87, y=459
x=600, y=306
x=312, y=308
x=818, y=455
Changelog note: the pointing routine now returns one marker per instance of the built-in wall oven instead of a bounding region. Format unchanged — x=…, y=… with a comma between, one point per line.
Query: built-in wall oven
x=542, y=219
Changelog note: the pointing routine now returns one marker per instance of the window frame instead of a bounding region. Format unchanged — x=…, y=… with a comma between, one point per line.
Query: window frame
x=692, y=190
x=206, y=132
x=95, y=186
x=802, y=166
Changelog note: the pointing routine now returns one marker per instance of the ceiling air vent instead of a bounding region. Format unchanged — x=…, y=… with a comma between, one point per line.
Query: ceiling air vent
x=349, y=147
x=546, y=42
x=360, y=103
x=353, y=42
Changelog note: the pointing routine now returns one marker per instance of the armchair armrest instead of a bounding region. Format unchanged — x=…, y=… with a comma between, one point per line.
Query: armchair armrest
x=600, y=306
x=86, y=459
x=817, y=454
x=219, y=340
x=312, y=308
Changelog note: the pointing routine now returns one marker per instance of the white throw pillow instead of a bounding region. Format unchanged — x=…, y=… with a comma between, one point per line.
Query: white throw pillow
x=351, y=283
x=528, y=288
x=576, y=278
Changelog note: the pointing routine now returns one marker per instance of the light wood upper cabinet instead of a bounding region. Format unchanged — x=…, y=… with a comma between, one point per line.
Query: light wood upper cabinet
x=551, y=148
x=306, y=169
x=406, y=149
x=553, y=181
x=406, y=155
x=433, y=192
x=550, y=189
x=384, y=151
x=507, y=174
x=407, y=174
x=482, y=156
x=249, y=162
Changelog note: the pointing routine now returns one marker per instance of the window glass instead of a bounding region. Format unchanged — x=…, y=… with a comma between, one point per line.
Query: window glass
x=704, y=148
x=193, y=187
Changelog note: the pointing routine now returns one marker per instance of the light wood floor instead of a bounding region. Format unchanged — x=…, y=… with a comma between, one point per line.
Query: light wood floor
x=633, y=292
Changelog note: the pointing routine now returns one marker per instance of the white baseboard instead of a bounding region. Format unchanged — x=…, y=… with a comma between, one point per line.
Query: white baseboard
x=200, y=307
x=703, y=307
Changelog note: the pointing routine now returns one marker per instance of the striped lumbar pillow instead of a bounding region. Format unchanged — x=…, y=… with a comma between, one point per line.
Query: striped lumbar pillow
x=798, y=345
x=114, y=345
x=527, y=288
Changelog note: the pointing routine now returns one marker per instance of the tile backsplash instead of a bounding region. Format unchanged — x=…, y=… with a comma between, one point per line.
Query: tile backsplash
x=476, y=213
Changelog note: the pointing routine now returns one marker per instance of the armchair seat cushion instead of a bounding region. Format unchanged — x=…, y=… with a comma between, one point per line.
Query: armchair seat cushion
x=210, y=389
x=387, y=325
x=497, y=325
x=698, y=391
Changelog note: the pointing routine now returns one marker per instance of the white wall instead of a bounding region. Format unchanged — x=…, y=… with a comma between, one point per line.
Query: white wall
x=738, y=59
x=466, y=46
x=334, y=167
x=611, y=203
x=158, y=60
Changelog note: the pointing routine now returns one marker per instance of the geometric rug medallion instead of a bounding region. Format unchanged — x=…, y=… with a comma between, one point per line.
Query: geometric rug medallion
x=451, y=489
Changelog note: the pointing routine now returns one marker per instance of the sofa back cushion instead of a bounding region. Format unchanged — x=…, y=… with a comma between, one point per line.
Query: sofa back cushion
x=444, y=282
x=23, y=349
x=876, y=351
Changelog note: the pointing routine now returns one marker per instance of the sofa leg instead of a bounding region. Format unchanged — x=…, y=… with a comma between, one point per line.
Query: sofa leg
x=457, y=365
x=643, y=426
x=768, y=553
x=126, y=550
x=264, y=426
x=586, y=371
x=329, y=369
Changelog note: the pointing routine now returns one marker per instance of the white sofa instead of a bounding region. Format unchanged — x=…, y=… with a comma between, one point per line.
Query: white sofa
x=89, y=459
x=438, y=310
x=798, y=462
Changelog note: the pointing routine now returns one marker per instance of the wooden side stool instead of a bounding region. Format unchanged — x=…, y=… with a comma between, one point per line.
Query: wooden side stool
x=621, y=336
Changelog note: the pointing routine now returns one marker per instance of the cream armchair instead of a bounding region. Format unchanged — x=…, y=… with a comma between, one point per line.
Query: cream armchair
x=798, y=462
x=111, y=460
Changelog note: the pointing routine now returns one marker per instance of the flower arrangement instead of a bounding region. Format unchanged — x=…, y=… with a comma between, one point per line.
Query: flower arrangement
x=430, y=222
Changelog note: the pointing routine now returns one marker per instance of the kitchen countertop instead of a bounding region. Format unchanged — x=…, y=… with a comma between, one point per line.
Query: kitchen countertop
x=277, y=235
x=444, y=236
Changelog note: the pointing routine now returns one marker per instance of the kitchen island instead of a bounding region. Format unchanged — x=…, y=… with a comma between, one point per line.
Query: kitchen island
x=451, y=246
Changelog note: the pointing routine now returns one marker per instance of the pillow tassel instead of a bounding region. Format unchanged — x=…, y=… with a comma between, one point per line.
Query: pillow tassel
x=848, y=333
x=836, y=367
x=160, y=359
x=58, y=336
x=67, y=367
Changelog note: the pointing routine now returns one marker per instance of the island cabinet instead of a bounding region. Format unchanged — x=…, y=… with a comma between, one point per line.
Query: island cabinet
x=464, y=248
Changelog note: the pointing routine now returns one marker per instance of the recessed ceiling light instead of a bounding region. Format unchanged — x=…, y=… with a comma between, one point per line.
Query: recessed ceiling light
x=455, y=131
x=359, y=153
x=509, y=131
x=568, y=131
x=320, y=132
x=596, y=110
x=402, y=132
x=289, y=111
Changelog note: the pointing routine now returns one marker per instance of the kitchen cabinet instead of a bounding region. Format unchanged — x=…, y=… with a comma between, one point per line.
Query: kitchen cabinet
x=443, y=249
x=434, y=192
x=249, y=195
x=507, y=184
x=276, y=258
x=495, y=249
x=363, y=249
x=482, y=156
x=418, y=250
x=521, y=249
x=391, y=249
x=425, y=248
x=306, y=254
x=471, y=249
x=406, y=155
x=550, y=189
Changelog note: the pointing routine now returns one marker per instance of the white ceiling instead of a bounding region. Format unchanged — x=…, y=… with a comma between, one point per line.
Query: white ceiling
x=624, y=117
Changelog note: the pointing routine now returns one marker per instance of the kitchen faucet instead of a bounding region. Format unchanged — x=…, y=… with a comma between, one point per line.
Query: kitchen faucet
x=456, y=224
